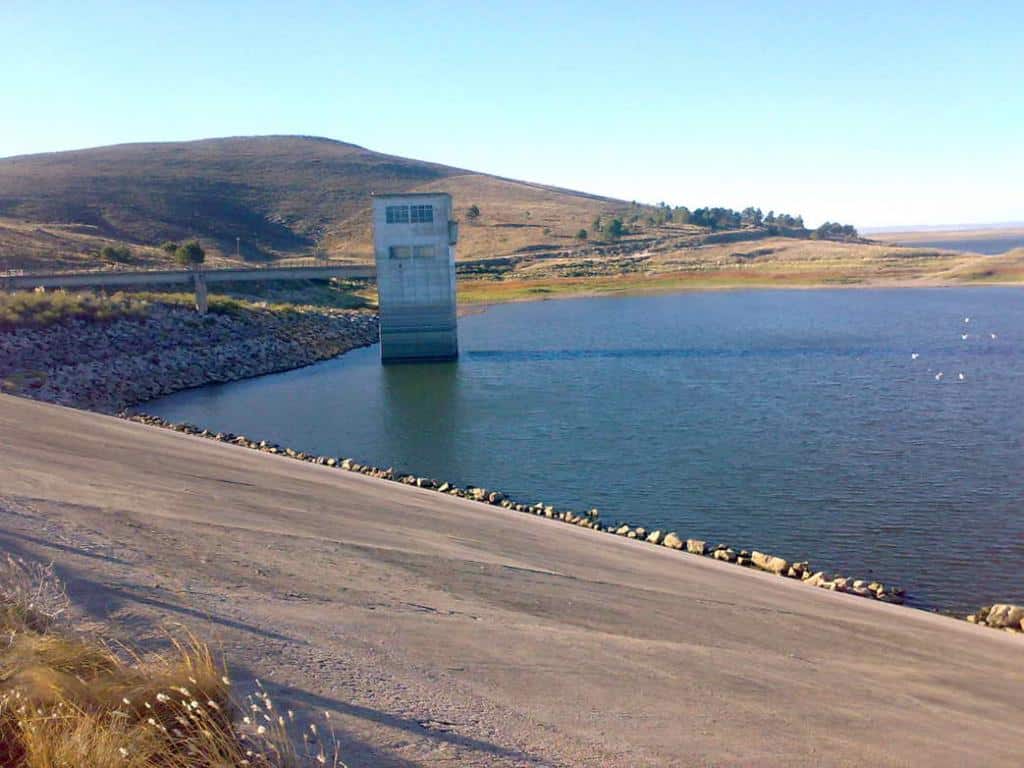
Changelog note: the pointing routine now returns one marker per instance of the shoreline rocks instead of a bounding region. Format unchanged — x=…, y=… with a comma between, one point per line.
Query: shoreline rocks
x=110, y=366
x=1004, y=616
x=779, y=566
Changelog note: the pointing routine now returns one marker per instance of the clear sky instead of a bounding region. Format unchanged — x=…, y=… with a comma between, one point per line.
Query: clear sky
x=873, y=113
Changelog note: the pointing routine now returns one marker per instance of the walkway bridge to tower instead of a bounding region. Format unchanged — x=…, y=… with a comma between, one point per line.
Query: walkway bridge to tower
x=198, y=278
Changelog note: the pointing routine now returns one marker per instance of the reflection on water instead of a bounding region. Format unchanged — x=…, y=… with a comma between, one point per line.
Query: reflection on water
x=409, y=392
x=798, y=422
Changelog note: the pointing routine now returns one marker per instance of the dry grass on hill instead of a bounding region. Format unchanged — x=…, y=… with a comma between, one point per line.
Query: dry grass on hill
x=768, y=262
x=67, y=699
x=70, y=247
x=284, y=196
x=513, y=216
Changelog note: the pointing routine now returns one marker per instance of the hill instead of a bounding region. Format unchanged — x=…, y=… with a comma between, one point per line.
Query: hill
x=281, y=195
x=294, y=196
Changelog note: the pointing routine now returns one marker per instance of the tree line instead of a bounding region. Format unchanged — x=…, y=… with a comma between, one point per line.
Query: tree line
x=713, y=218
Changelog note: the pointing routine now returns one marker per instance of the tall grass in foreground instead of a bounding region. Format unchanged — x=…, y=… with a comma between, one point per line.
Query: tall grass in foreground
x=68, y=701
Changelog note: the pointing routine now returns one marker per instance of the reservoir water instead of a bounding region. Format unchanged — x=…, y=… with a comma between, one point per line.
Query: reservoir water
x=989, y=244
x=796, y=422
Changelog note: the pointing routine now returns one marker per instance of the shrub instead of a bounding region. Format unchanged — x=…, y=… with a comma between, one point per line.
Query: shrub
x=581, y=234
x=116, y=253
x=35, y=309
x=190, y=253
x=169, y=247
x=835, y=231
x=473, y=212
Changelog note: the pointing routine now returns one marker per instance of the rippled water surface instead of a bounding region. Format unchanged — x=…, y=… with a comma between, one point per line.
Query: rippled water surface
x=989, y=244
x=791, y=421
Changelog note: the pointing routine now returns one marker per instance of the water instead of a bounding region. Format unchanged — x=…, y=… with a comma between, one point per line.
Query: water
x=791, y=421
x=987, y=244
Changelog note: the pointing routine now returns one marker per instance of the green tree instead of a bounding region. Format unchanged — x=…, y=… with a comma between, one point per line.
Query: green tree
x=615, y=229
x=835, y=231
x=581, y=234
x=190, y=254
x=116, y=253
x=169, y=247
x=473, y=212
x=751, y=217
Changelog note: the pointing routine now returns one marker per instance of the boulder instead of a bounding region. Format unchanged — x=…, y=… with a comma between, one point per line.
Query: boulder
x=655, y=537
x=726, y=555
x=769, y=563
x=817, y=579
x=696, y=546
x=1005, y=615
x=672, y=541
x=622, y=530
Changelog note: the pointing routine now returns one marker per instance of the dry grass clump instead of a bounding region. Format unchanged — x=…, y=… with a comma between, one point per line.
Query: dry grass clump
x=67, y=701
x=37, y=309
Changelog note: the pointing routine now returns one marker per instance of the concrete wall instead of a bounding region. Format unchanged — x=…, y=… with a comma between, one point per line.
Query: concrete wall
x=416, y=290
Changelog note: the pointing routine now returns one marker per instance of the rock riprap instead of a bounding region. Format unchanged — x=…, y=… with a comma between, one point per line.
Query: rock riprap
x=779, y=566
x=1003, y=616
x=112, y=365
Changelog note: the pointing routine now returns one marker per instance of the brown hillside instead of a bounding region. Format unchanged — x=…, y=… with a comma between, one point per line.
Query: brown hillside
x=282, y=195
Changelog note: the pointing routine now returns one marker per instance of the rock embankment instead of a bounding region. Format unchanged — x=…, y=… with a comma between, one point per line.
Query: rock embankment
x=1003, y=616
x=112, y=365
x=587, y=519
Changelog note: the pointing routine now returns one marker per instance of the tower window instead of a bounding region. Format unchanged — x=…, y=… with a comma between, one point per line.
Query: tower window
x=397, y=214
x=421, y=214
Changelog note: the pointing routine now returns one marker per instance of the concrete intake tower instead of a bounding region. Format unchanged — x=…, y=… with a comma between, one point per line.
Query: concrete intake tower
x=414, y=240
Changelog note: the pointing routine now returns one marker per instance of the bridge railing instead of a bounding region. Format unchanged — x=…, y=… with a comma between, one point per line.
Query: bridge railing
x=285, y=263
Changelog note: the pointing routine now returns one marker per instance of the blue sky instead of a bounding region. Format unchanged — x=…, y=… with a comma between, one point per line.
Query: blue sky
x=870, y=113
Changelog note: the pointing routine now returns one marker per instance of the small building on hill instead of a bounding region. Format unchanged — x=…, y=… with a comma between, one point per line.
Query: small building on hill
x=414, y=247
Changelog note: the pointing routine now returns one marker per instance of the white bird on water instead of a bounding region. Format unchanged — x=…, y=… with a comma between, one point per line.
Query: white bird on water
x=914, y=355
x=963, y=336
x=967, y=319
x=992, y=335
x=961, y=376
x=938, y=376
